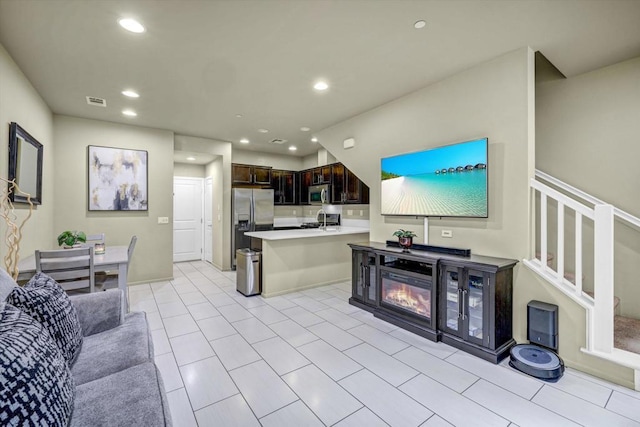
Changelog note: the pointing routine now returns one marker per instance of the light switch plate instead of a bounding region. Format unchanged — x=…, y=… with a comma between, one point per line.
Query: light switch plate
x=163, y=220
x=447, y=233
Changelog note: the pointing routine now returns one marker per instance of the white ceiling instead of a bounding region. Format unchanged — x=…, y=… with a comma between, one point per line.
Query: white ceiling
x=200, y=63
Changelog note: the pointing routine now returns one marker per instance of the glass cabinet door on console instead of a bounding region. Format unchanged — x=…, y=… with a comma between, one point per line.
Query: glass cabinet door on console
x=364, y=277
x=476, y=306
x=451, y=304
x=464, y=295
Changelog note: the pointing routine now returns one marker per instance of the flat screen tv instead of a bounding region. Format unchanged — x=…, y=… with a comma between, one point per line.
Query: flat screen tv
x=448, y=181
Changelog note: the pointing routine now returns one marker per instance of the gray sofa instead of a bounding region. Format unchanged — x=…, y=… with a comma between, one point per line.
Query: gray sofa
x=117, y=382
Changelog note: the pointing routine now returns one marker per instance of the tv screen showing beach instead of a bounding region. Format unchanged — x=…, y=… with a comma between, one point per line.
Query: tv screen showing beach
x=449, y=181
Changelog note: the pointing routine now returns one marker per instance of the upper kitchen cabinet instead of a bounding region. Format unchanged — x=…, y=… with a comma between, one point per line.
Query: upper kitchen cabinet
x=284, y=185
x=306, y=181
x=250, y=174
x=346, y=187
x=322, y=175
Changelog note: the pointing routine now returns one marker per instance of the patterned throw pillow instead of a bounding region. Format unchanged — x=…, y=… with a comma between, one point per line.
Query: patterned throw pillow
x=36, y=386
x=44, y=300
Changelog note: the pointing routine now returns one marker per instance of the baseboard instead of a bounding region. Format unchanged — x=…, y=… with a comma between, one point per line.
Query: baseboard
x=303, y=288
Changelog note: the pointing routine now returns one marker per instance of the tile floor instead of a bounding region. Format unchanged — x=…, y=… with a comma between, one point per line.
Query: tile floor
x=311, y=359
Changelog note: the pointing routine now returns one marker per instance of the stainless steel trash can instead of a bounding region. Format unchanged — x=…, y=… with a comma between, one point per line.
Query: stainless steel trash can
x=248, y=272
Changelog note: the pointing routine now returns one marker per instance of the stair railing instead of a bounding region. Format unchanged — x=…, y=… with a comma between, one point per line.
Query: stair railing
x=599, y=308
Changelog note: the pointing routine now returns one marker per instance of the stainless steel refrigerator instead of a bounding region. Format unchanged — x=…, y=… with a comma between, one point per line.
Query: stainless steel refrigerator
x=252, y=210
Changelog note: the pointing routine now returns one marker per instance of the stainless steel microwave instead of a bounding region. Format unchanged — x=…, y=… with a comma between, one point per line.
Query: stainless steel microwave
x=319, y=194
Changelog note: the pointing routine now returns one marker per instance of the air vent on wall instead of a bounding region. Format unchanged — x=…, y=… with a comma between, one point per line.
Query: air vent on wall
x=278, y=141
x=98, y=102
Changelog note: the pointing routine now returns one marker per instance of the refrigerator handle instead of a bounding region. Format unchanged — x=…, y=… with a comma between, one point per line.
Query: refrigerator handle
x=252, y=213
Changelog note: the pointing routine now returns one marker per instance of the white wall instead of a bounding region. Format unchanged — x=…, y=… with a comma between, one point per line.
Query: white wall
x=277, y=161
x=153, y=254
x=20, y=103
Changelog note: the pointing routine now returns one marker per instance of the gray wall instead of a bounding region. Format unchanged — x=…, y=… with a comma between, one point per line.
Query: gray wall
x=277, y=161
x=153, y=254
x=497, y=100
x=20, y=103
x=587, y=135
x=220, y=170
x=189, y=170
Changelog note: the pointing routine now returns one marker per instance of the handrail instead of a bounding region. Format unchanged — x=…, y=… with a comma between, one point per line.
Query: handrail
x=631, y=219
x=573, y=204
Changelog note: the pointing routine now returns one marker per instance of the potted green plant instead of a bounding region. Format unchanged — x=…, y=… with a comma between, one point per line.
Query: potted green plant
x=71, y=239
x=405, y=238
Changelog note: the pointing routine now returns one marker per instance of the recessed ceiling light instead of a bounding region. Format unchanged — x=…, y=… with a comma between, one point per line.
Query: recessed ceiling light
x=191, y=158
x=129, y=113
x=263, y=130
x=132, y=25
x=130, y=94
x=292, y=148
x=314, y=139
x=419, y=24
x=238, y=116
x=305, y=129
x=321, y=85
x=244, y=141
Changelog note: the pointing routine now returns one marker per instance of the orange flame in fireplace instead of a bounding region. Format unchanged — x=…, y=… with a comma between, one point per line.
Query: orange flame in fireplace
x=404, y=296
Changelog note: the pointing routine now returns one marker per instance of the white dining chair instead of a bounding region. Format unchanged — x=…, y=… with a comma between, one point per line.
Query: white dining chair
x=73, y=269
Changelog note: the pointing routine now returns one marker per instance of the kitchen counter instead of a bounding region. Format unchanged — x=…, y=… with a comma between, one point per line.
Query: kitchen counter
x=303, y=233
x=294, y=260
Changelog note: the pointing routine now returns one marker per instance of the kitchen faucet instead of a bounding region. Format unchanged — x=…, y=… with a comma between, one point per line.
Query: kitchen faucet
x=324, y=214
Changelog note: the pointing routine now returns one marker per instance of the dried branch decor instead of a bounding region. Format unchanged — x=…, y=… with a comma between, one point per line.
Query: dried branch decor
x=13, y=232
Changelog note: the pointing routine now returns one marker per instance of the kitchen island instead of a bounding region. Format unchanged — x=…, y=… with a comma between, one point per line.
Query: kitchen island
x=294, y=260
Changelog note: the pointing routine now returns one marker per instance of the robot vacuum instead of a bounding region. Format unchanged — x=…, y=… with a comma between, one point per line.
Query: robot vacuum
x=539, y=359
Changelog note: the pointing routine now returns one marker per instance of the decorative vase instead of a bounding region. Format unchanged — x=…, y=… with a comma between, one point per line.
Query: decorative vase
x=405, y=243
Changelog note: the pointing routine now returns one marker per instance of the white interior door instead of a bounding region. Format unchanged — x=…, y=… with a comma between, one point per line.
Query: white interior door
x=208, y=219
x=187, y=219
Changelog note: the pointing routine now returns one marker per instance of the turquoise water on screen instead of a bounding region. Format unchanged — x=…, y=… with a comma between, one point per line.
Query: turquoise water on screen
x=451, y=194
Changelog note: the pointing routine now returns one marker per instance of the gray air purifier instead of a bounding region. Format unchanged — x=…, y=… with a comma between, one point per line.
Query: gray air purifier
x=538, y=358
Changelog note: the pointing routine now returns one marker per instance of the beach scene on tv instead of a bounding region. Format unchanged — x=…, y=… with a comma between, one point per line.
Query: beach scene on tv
x=444, y=181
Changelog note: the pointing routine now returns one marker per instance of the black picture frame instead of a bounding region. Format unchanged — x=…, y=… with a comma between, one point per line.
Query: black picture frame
x=26, y=155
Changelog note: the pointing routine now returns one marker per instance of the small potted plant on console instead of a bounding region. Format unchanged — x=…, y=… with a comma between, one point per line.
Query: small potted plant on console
x=71, y=239
x=405, y=238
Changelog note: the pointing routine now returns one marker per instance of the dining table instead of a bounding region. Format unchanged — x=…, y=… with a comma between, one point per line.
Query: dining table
x=113, y=258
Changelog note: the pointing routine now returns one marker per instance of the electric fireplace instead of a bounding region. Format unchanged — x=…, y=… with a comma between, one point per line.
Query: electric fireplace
x=407, y=294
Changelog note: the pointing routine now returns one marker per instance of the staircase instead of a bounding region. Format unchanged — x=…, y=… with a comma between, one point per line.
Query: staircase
x=571, y=202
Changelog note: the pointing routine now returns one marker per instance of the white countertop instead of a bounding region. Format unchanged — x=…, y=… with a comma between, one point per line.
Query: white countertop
x=304, y=233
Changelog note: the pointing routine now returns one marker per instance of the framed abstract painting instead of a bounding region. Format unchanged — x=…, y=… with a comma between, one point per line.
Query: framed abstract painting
x=118, y=179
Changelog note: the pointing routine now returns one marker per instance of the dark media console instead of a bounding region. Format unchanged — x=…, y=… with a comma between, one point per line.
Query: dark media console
x=443, y=294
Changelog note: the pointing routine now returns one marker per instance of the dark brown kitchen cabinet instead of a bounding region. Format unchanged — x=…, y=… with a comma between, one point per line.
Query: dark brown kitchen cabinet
x=283, y=183
x=322, y=175
x=346, y=187
x=306, y=181
x=250, y=174
x=338, y=186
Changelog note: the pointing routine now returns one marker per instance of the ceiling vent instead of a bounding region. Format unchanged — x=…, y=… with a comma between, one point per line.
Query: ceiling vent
x=95, y=101
x=278, y=141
